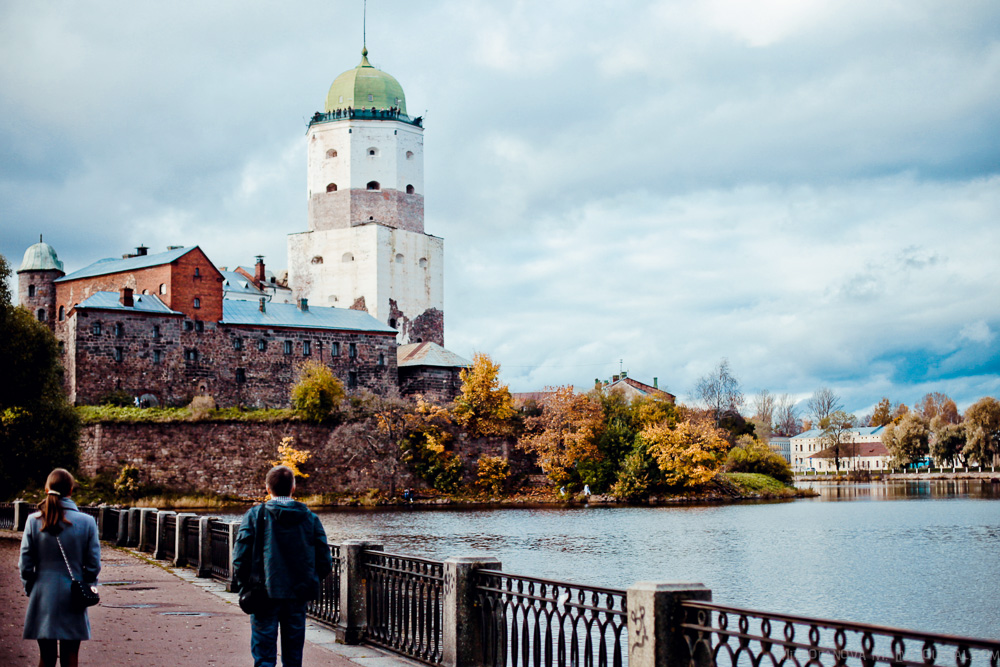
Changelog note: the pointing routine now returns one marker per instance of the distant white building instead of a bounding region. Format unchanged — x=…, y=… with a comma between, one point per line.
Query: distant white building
x=853, y=456
x=782, y=445
x=805, y=446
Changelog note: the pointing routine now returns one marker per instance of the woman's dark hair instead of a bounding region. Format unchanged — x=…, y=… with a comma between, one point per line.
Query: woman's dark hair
x=59, y=485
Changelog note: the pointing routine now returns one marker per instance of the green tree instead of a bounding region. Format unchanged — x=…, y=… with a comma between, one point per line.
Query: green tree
x=318, y=393
x=484, y=407
x=753, y=455
x=907, y=439
x=947, y=442
x=838, y=433
x=982, y=430
x=38, y=427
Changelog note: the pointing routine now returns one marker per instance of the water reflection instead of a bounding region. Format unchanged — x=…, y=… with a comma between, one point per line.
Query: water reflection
x=907, y=490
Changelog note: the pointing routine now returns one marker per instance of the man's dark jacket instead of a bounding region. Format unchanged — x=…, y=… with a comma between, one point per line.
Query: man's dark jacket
x=296, y=555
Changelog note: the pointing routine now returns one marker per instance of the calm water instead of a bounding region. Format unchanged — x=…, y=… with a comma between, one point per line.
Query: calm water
x=918, y=555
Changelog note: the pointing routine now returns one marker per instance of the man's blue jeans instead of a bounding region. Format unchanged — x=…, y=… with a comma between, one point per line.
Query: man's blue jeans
x=291, y=616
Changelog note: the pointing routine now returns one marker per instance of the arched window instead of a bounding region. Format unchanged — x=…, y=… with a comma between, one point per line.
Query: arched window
x=373, y=185
x=372, y=151
x=409, y=189
x=31, y=290
x=348, y=257
x=197, y=302
x=331, y=153
x=423, y=262
x=163, y=288
x=62, y=313
x=332, y=187
x=399, y=258
x=317, y=260
x=409, y=155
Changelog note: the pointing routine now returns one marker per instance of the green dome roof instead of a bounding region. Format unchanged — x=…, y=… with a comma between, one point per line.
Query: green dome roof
x=40, y=257
x=365, y=87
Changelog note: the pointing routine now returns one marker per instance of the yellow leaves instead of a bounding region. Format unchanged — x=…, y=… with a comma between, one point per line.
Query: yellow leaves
x=689, y=453
x=485, y=406
x=565, y=433
x=291, y=457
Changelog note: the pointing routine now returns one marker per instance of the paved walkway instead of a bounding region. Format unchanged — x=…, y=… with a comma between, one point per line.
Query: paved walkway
x=152, y=615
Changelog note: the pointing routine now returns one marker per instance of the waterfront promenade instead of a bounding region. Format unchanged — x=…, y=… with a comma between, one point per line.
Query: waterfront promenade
x=150, y=615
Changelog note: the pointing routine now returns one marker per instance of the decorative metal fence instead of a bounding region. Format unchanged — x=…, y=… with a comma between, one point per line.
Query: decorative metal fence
x=531, y=622
x=7, y=516
x=718, y=636
x=169, y=549
x=192, y=542
x=326, y=609
x=219, y=550
x=404, y=598
x=150, y=528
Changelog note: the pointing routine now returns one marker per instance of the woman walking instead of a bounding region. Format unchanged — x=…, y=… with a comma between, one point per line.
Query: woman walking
x=59, y=538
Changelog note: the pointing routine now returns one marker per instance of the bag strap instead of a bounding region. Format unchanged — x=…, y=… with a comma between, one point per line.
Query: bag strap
x=258, y=546
x=65, y=560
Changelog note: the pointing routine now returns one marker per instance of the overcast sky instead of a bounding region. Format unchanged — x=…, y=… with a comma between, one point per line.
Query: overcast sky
x=808, y=188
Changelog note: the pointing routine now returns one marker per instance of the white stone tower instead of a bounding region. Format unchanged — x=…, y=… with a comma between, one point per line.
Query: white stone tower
x=365, y=247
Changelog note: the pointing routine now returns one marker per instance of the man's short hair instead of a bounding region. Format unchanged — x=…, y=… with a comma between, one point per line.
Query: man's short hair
x=280, y=481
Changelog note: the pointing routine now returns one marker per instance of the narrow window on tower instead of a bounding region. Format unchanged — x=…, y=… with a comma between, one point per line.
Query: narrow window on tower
x=119, y=354
x=31, y=290
x=119, y=329
x=241, y=375
x=331, y=187
x=156, y=331
x=41, y=314
x=62, y=313
x=373, y=185
x=331, y=153
x=197, y=302
x=163, y=288
x=237, y=343
x=157, y=356
x=409, y=155
x=409, y=189
x=197, y=272
x=352, y=380
x=352, y=350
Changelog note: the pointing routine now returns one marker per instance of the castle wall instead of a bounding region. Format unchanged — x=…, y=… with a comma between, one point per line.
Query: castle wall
x=434, y=383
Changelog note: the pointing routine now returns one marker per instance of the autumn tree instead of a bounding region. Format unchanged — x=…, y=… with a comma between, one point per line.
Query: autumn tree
x=822, y=405
x=689, y=453
x=430, y=431
x=292, y=458
x=720, y=392
x=882, y=415
x=485, y=406
x=947, y=442
x=786, y=421
x=938, y=406
x=753, y=455
x=372, y=436
x=907, y=439
x=38, y=426
x=838, y=434
x=317, y=393
x=565, y=434
x=982, y=430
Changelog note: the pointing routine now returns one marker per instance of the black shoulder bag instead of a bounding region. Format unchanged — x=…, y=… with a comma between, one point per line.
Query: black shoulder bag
x=81, y=595
x=254, y=599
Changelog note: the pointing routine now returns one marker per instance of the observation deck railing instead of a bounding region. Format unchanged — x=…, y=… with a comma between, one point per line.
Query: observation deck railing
x=371, y=113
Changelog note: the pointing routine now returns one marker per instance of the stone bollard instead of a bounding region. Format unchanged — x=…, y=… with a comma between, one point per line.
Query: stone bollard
x=145, y=539
x=353, y=612
x=160, y=545
x=180, y=541
x=205, y=546
x=462, y=641
x=122, y=538
x=22, y=510
x=234, y=527
x=134, y=525
x=655, y=638
x=102, y=515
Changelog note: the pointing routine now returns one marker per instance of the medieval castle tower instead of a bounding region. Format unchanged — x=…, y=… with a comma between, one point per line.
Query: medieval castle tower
x=365, y=247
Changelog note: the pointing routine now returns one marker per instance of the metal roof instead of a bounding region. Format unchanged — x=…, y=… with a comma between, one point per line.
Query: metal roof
x=237, y=283
x=352, y=88
x=103, y=267
x=860, y=431
x=40, y=257
x=143, y=303
x=428, y=354
x=290, y=315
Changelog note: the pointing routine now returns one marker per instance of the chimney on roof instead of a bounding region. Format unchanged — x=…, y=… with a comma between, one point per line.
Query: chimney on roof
x=126, y=297
x=615, y=378
x=262, y=302
x=141, y=251
x=303, y=305
x=656, y=384
x=258, y=271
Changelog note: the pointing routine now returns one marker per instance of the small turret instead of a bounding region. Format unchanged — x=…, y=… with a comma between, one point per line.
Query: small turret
x=36, y=281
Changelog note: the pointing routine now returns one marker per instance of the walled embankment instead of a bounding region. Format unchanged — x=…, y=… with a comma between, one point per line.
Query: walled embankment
x=985, y=475
x=231, y=457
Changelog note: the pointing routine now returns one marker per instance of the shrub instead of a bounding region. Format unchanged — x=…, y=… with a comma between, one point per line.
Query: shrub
x=291, y=457
x=753, y=456
x=492, y=474
x=128, y=483
x=119, y=398
x=317, y=393
x=201, y=408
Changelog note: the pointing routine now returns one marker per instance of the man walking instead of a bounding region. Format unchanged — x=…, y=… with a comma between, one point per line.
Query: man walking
x=296, y=559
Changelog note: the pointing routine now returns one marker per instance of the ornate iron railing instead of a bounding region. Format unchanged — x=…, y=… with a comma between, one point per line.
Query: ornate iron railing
x=169, y=550
x=150, y=527
x=192, y=542
x=404, y=596
x=718, y=636
x=531, y=622
x=7, y=516
x=219, y=550
x=326, y=609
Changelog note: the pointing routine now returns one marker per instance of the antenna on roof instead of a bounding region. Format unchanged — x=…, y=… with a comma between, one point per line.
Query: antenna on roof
x=364, y=25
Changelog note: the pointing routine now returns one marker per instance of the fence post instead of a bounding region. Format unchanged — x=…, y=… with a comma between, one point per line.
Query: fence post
x=102, y=514
x=353, y=608
x=180, y=539
x=234, y=527
x=204, y=546
x=462, y=640
x=134, y=525
x=655, y=638
x=160, y=546
x=22, y=510
x=145, y=539
x=121, y=539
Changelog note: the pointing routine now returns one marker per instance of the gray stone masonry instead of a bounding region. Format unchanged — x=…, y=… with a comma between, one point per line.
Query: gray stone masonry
x=353, y=613
x=22, y=510
x=180, y=543
x=234, y=527
x=462, y=644
x=205, y=544
x=134, y=525
x=122, y=539
x=654, y=617
x=145, y=539
x=160, y=547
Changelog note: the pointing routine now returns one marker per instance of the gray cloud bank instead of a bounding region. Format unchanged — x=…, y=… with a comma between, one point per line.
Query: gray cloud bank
x=809, y=188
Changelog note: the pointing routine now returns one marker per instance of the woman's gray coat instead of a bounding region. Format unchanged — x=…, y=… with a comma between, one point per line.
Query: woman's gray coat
x=46, y=580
